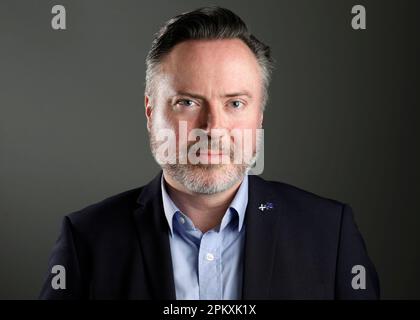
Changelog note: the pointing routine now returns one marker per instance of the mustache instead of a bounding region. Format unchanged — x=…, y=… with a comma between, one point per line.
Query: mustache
x=212, y=145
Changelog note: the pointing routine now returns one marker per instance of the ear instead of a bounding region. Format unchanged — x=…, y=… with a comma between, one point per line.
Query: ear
x=261, y=119
x=148, y=111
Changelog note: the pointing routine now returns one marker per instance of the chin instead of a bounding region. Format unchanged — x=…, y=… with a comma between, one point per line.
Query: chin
x=207, y=179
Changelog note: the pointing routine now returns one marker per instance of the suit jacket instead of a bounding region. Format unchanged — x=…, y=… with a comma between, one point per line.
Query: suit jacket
x=304, y=247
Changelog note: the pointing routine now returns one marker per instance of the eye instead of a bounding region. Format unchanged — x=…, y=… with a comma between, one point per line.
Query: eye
x=185, y=102
x=236, y=104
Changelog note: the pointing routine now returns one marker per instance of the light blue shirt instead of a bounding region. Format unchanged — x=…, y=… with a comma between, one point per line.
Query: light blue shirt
x=208, y=265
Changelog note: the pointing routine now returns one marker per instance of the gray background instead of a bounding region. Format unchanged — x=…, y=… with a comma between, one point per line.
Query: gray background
x=341, y=121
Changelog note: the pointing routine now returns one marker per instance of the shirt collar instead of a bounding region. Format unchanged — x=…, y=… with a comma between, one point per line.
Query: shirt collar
x=238, y=204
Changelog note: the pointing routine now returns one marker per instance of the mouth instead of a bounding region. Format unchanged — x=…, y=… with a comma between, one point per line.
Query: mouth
x=211, y=153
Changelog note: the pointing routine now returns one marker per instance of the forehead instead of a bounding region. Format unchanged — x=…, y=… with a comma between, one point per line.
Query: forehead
x=221, y=63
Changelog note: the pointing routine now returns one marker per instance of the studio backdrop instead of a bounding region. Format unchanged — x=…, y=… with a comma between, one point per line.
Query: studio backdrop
x=341, y=121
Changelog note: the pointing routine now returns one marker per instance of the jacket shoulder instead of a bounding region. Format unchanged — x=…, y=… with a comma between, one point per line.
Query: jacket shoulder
x=294, y=193
x=111, y=211
x=301, y=201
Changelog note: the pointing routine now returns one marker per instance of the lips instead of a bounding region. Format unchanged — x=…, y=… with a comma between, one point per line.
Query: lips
x=211, y=153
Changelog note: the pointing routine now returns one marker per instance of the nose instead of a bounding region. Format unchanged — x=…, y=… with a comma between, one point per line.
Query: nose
x=212, y=117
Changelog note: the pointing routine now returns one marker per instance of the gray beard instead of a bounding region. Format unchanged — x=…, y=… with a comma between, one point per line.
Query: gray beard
x=198, y=178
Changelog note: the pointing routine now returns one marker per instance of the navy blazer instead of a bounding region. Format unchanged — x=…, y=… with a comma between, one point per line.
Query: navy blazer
x=304, y=247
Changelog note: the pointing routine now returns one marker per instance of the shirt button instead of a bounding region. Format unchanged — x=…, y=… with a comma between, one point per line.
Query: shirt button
x=182, y=220
x=209, y=257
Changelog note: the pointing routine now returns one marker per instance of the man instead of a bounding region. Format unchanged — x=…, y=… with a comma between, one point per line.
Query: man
x=204, y=228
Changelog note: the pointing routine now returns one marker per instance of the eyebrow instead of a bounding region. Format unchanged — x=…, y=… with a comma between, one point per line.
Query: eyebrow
x=228, y=95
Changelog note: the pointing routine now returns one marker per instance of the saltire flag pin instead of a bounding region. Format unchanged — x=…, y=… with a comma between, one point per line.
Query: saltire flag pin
x=266, y=206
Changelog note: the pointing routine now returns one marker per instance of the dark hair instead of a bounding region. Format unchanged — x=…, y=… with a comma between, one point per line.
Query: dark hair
x=206, y=23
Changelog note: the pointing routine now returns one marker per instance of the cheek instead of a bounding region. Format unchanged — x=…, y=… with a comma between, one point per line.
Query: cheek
x=182, y=129
x=162, y=118
x=250, y=121
x=250, y=127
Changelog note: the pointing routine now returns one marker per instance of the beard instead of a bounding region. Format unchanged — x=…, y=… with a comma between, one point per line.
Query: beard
x=205, y=178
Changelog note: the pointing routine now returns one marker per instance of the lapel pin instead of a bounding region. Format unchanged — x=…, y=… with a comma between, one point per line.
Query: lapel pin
x=266, y=206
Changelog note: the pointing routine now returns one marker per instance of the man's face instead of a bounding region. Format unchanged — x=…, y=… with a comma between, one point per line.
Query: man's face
x=207, y=85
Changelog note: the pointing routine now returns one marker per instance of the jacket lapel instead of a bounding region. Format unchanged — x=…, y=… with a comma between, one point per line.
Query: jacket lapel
x=260, y=239
x=152, y=229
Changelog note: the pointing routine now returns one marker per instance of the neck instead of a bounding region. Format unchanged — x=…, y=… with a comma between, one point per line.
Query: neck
x=206, y=211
